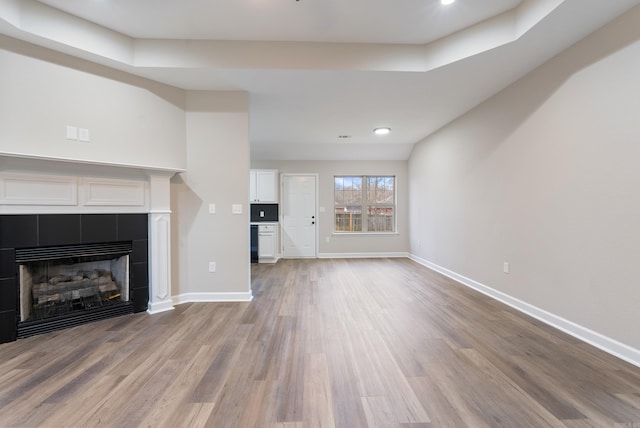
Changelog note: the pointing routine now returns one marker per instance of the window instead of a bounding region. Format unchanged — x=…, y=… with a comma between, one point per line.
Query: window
x=364, y=204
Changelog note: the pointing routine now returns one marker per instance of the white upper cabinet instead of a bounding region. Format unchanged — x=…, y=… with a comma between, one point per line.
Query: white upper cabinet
x=263, y=185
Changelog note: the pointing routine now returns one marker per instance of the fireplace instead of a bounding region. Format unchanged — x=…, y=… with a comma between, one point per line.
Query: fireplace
x=66, y=286
x=63, y=270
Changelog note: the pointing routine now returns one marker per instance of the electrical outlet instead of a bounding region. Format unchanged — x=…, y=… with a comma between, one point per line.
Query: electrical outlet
x=212, y=266
x=72, y=132
x=83, y=135
x=505, y=267
x=212, y=208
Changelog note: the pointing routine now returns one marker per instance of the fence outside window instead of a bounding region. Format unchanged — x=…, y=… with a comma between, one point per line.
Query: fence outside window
x=364, y=204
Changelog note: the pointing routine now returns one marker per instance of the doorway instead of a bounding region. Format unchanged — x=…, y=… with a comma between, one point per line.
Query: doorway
x=299, y=217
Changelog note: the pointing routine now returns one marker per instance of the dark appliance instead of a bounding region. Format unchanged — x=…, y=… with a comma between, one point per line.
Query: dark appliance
x=254, y=243
x=261, y=213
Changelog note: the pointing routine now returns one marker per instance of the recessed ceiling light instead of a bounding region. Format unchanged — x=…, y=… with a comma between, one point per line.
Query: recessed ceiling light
x=382, y=131
x=446, y=2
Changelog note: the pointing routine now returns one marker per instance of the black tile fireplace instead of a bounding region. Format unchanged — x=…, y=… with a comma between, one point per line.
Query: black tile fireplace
x=62, y=270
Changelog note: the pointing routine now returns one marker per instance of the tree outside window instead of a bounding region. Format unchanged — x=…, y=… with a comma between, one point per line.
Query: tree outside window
x=364, y=204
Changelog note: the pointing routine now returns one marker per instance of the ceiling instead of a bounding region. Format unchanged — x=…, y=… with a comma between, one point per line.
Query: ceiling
x=321, y=74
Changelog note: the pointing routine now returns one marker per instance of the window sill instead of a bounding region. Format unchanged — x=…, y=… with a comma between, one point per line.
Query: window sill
x=364, y=234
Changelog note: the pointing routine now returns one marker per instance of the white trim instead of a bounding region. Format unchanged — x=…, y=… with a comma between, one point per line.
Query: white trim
x=607, y=344
x=40, y=190
x=212, y=297
x=170, y=170
x=334, y=233
x=155, y=308
x=366, y=205
x=113, y=192
x=159, y=233
x=362, y=255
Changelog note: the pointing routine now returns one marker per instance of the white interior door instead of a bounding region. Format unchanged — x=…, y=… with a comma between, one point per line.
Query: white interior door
x=298, y=216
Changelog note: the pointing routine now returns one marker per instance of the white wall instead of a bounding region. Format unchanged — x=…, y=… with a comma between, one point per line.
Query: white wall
x=545, y=176
x=131, y=120
x=217, y=173
x=349, y=244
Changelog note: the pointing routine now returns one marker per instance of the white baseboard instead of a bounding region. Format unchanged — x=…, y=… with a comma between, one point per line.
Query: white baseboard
x=362, y=255
x=212, y=297
x=607, y=344
x=155, y=308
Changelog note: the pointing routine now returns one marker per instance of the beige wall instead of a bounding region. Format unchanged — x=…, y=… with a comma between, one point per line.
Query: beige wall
x=217, y=173
x=131, y=120
x=350, y=244
x=545, y=176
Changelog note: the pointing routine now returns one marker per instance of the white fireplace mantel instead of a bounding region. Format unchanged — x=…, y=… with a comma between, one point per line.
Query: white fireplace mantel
x=37, y=185
x=20, y=162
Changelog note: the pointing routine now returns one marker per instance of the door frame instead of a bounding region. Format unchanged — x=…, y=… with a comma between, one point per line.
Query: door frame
x=281, y=215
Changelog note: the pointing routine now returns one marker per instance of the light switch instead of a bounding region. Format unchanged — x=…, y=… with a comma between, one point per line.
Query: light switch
x=236, y=209
x=261, y=213
x=212, y=208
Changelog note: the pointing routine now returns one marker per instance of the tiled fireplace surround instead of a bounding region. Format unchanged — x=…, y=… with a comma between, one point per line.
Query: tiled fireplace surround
x=59, y=202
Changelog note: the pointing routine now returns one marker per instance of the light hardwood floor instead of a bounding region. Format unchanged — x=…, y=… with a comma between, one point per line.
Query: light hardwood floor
x=344, y=343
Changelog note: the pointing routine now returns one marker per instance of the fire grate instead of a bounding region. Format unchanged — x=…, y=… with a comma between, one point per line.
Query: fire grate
x=31, y=328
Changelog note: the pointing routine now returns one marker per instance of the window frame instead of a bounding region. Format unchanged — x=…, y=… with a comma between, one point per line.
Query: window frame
x=366, y=205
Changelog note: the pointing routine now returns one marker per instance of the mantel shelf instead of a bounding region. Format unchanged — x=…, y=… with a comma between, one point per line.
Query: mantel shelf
x=21, y=160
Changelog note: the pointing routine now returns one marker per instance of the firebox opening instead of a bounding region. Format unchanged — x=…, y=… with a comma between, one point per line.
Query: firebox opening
x=51, y=288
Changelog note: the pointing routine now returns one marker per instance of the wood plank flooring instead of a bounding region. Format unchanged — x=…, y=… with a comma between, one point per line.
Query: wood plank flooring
x=325, y=343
